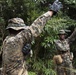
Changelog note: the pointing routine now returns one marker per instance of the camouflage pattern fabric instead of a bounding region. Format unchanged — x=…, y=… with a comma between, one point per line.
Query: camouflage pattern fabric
x=13, y=59
x=62, y=45
x=63, y=49
x=65, y=67
x=16, y=24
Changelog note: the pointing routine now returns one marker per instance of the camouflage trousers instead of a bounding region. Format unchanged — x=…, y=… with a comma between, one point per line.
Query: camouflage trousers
x=19, y=71
x=16, y=73
x=64, y=69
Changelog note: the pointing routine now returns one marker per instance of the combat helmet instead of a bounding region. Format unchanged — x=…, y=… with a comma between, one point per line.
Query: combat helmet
x=62, y=32
x=16, y=24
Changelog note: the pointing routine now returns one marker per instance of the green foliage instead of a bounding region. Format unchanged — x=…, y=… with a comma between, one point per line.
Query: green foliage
x=44, y=48
x=70, y=1
x=29, y=10
x=31, y=73
x=43, y=67
x=51, y=30
x=1, y=20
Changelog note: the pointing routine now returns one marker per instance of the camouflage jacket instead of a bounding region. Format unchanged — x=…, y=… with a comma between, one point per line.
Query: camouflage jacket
x=12, y=56
x=65, y=44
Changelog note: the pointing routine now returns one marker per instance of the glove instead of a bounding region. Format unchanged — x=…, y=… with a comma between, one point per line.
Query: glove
x=26, y=49
x=56, y=6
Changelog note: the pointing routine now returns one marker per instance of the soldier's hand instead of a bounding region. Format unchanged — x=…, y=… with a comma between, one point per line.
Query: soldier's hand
x=56, y=6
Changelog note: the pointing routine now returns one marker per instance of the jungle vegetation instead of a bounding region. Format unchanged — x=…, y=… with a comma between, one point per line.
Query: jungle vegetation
x=43, y=46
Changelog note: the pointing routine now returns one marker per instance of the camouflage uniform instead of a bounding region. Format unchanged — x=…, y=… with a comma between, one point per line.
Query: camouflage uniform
x=63, y=48
x=13, y=59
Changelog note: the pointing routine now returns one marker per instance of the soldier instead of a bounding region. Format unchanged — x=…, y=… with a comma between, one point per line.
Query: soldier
x=19, y=34
x=64, y=57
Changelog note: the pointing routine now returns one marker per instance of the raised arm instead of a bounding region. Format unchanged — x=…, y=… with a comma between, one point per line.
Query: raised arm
x=72, y=37
x=38, y=25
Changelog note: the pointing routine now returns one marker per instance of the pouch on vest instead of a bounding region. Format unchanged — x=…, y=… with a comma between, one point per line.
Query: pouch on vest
x=57, y=59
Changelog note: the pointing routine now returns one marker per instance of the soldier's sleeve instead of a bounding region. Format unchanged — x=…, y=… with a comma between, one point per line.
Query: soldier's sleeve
x=72, y=37
x=38, y=25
